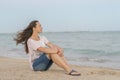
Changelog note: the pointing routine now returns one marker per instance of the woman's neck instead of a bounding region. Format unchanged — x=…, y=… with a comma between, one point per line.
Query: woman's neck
x=35, y=36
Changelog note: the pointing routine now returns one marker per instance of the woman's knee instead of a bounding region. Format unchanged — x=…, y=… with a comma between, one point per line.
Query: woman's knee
x=56, y=55
x=52, y=55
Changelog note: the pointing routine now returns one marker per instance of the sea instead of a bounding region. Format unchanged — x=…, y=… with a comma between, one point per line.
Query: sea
x=82, y=48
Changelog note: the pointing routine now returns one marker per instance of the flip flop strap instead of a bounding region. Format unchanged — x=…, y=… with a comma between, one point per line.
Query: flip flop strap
x=72, y=71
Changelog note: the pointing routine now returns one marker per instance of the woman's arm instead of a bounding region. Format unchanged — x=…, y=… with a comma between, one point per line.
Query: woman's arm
x=51, y=45
x=48, y=50
x=60, y=50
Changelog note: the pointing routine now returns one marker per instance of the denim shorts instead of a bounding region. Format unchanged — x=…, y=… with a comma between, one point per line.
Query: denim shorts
x=42, y=63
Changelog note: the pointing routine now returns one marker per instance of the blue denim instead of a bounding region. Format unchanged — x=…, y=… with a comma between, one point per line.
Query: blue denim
x=42, y=63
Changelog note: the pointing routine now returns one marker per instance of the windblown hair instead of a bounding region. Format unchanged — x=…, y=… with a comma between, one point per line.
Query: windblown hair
x=23, y=36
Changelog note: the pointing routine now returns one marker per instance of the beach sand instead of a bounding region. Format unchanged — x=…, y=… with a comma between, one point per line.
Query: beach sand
x=18, y=69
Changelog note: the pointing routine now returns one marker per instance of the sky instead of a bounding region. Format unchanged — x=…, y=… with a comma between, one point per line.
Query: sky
x=60, y=15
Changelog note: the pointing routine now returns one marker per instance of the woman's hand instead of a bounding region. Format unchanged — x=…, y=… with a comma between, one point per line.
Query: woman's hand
x=60, y=49
x=60, y=52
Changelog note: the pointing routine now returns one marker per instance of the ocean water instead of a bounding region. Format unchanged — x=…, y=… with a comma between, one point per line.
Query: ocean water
x=101, y=49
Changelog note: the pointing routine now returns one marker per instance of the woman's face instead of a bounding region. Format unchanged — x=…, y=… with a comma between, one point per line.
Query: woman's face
x=38, y=27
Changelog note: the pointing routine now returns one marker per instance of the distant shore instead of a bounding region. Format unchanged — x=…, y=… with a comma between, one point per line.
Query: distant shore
x=18, y=69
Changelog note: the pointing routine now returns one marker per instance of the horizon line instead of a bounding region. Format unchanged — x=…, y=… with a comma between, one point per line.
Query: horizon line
x=69, y=31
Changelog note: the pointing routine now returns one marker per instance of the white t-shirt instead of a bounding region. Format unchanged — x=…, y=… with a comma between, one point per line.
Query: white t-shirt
x=33, y=45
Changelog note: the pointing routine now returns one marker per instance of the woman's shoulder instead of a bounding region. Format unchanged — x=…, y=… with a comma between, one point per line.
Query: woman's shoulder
x=30, y=40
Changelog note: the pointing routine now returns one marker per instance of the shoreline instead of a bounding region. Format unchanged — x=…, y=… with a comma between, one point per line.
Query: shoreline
x=19, y=69
x=69, y=63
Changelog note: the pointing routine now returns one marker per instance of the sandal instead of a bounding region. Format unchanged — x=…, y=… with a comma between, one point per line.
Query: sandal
x=72, y=73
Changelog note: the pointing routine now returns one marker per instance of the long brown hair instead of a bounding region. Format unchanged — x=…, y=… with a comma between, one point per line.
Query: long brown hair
x=23, y=36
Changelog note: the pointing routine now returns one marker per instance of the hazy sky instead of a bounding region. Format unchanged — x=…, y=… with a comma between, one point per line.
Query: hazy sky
x=60, y=15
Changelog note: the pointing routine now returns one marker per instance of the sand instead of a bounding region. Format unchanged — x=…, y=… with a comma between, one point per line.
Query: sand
x=18, y=69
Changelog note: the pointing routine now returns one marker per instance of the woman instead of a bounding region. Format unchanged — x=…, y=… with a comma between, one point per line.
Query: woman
x=42, y=53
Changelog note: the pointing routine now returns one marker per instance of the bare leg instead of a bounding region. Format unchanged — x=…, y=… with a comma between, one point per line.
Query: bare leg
x=61, y=62
x=58, y=61
x=63, y=58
